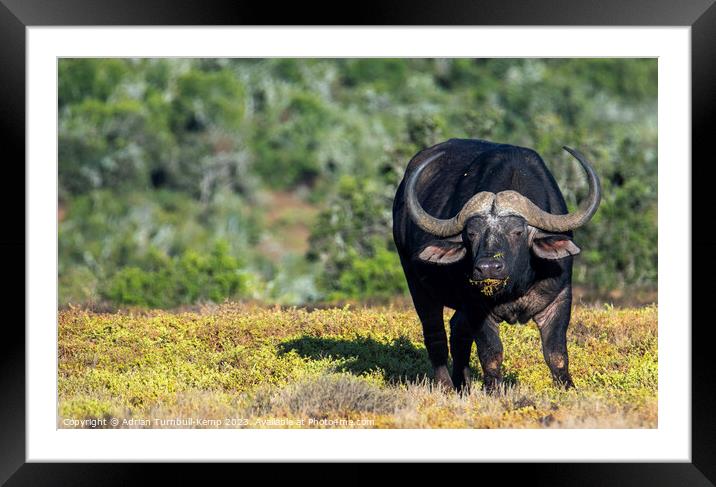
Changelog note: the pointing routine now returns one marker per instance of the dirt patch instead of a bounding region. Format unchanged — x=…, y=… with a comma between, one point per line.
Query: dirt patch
x=289, y=219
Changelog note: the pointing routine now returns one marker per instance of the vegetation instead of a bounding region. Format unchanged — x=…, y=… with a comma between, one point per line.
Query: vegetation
x=193, y=180
x=239, y=365
x=183, y=279
x=249, y=182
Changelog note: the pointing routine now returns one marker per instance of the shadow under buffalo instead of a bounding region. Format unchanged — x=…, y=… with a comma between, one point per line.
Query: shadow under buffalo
x=398, y=360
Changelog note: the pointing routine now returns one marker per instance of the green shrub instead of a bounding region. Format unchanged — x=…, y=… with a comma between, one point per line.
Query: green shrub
x=185, y=279
x=355, y=226
x=287, y=141
x=377, y=276
x=148, y=123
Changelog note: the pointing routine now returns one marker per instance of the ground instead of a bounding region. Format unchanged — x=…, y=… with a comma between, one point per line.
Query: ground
x=242, y=365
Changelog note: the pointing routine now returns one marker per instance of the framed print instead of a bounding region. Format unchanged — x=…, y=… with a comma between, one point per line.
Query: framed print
x=321, y=243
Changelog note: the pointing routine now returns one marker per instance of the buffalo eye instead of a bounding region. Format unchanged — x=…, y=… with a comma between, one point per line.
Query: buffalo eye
x=472, y=234
x=518, y=232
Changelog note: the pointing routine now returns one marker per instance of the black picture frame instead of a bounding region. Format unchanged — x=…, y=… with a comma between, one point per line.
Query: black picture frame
x=700, y=15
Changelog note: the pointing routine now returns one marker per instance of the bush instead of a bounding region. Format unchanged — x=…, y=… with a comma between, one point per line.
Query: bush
x=145, y=124
x=185, y=279
x=287, y=140
x=378, y=276
x=103, y=235
x=355, y=226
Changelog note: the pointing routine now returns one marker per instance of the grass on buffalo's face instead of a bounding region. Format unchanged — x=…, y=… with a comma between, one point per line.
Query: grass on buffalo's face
x=258, y=364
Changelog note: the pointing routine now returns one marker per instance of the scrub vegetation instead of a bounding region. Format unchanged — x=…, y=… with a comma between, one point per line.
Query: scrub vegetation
x=240, y=365
x=273, y=179
x=216, y=215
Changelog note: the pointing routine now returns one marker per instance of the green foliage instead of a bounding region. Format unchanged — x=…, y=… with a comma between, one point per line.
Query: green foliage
x=185, y=279
x=91, y=78
x=379, y=275
x=174, y=154
x=357, y=260
x=141, y=124
x=131, y=240
x=203, y=99
x=287, y=143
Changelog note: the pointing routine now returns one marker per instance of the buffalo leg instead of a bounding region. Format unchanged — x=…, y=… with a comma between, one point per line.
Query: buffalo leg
x=434, y=336
x=553, y=322
x=489, y=351
x=460, y=348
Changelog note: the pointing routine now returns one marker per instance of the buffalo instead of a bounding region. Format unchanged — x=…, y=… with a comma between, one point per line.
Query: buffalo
x=483, y=228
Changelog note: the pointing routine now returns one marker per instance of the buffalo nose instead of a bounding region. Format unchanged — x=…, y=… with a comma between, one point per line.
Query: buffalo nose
x=489, y=268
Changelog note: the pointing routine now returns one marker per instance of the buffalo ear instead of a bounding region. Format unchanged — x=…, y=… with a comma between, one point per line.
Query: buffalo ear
x=553, y=246
x=442, y=252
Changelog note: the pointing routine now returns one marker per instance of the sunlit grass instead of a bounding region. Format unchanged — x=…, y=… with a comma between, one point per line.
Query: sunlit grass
x=258, y=364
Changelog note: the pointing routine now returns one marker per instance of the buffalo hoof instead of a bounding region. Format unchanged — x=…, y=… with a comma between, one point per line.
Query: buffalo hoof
x=462, y=380
x=492, y=385
x=442, y=377
x=565, y=383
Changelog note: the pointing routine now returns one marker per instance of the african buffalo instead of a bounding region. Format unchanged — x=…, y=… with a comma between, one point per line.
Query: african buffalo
x=483, y=228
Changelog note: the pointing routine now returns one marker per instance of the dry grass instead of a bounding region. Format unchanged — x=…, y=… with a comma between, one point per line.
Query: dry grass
x=250, y=366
